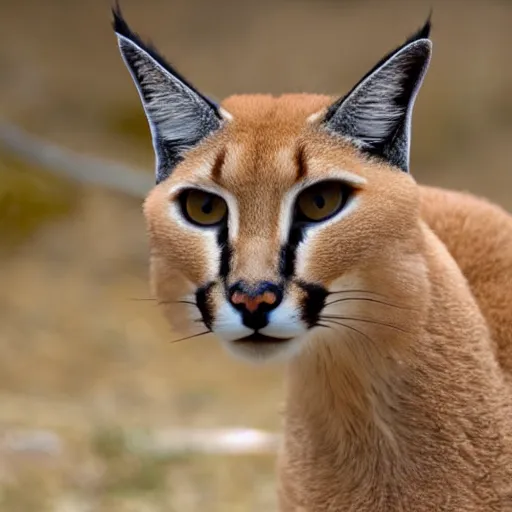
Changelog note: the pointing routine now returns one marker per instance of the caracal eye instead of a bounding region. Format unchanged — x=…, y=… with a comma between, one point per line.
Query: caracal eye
x=321, y=201
x=203, y=208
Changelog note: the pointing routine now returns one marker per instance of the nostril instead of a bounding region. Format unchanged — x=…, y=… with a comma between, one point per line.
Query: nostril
x=263, y=297
x=245, y=301
x=251, y=304
x=269, y=298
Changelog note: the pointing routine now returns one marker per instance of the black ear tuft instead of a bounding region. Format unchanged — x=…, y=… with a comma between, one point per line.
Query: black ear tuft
x=118, y=22
x=376, y=114
x=179, y=116
x=423, y=32
x=122, y=28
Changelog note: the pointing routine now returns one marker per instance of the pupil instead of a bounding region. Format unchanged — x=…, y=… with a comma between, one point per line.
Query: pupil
x=319, y=202
x=207, y=207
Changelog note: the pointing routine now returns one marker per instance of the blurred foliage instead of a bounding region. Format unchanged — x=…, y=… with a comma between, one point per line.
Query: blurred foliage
x=109, y=443
x=127, y=472
x=30, y=198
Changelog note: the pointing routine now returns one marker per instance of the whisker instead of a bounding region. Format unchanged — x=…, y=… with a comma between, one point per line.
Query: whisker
x=349, y=290
x=366, y=320
x=318, y=324
x=351, y=328
x=368, y=300
x=165, y=301
x=192, y=336
x=177, y=302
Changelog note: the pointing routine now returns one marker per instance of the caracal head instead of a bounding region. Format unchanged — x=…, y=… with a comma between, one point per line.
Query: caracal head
x=268, y=210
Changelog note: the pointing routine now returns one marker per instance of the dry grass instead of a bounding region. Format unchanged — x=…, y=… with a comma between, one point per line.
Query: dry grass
x=99, y=472
x=77, y=355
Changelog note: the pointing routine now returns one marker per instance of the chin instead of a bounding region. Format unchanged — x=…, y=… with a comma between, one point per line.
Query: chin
x=261, y=349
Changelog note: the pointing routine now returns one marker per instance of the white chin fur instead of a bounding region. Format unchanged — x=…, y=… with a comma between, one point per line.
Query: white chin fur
x=261, y=353
x=284, y=323
x=228, y=324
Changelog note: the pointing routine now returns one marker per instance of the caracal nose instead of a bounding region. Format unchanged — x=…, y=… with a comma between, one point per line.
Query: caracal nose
x=254, y=302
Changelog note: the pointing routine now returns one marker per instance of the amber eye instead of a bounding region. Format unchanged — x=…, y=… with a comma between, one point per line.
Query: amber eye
x=203, y=208
x=321, y=201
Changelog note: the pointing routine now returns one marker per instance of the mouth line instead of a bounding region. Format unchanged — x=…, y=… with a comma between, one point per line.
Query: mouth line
x=259, y=338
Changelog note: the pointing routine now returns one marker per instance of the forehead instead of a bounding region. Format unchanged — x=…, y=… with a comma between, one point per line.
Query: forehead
x=269, y=145
x=263, y=144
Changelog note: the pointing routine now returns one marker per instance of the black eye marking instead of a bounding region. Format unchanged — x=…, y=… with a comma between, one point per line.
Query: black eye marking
x=225, y=251
x=203, y=296
x=289, y=250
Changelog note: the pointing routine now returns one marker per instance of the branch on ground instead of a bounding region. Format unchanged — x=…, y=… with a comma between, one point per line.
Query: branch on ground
x=69, y=164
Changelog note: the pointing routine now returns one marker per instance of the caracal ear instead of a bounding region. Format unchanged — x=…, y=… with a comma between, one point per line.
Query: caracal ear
x=179, y=116
x=376, y=114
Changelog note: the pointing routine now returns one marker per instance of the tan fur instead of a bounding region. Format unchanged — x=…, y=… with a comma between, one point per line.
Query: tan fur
x=415, y=414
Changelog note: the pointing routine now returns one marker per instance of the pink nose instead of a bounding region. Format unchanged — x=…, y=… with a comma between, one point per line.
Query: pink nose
x=251, y=303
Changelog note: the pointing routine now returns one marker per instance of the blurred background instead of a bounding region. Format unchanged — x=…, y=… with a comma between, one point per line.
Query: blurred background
x=92, y=394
